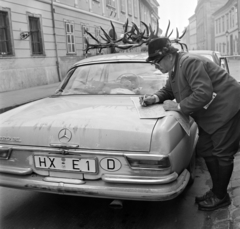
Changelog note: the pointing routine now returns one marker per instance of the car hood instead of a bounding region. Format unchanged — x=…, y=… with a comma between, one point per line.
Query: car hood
x=92, y=122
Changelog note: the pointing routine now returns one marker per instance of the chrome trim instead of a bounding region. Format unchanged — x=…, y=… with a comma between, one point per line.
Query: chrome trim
x=99, y=188
x=65, y=133
x=62, y=145
x=64, y=180
x=15, y=170
x=33, y=148
x=64, y=150
x=152, y=157
x=111, y=178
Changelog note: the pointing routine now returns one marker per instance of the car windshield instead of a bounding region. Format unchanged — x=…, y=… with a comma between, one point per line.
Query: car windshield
x=115, y=78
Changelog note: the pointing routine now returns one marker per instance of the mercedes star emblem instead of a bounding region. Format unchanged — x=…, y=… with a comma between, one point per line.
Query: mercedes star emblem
x=64, y=135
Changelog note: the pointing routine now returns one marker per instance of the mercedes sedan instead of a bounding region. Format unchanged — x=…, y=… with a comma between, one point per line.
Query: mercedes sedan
x=89, y=138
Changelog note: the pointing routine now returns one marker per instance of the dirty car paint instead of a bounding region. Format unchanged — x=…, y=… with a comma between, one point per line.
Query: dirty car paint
x=97, y=122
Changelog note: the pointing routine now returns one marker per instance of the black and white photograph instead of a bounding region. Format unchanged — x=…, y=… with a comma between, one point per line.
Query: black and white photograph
x=119, y=114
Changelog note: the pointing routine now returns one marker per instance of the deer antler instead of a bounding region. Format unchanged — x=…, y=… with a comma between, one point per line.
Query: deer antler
x=166, y=34
x=132, y=38
x=178, y=38
x=111, y=40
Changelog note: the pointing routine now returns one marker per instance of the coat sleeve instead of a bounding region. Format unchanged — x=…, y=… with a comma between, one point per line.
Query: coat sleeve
x=165, y=93
x=200, y=84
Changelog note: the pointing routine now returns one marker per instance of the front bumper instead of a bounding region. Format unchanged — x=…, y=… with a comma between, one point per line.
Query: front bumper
x=99, y=188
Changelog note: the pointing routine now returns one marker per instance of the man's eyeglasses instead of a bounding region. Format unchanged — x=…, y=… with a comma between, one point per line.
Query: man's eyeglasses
x=157, y=60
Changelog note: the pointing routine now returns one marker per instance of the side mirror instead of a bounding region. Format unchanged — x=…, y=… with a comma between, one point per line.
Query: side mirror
x=224, y=63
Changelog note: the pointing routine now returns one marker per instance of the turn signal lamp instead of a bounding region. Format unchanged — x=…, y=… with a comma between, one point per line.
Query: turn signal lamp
x=152, y=162
x=5, y=152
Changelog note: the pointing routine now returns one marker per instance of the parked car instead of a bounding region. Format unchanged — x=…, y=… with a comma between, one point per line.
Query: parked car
x=214, y=56
x=88, y=140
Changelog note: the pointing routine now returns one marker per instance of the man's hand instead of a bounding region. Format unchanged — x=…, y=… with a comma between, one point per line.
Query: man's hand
x=170, y=105
x=147, y=100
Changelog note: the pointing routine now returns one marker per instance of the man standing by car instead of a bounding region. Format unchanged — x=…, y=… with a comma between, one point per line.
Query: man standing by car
x=206, y=92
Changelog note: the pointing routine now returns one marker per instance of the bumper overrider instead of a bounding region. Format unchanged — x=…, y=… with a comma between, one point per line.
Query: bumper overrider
x=136, y=176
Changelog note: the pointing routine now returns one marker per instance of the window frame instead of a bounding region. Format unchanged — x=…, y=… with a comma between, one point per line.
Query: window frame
x=40, y=33
x=84, y=36
x=130, y=7
x=223, y=23
x=135, y=8
x=70, y=34
x=9, y=32
x=97, y=32
x=123, y=6
x=111, y=4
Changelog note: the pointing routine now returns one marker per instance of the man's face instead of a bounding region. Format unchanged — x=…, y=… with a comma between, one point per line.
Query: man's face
x=165, y=64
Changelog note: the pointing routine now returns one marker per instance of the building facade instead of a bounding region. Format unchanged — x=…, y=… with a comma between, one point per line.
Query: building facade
x=205, y=22
x=227, y=29
x=192, y=33
x=26, y=60
x=41, y=39
x=238, y=15
x=186, y=38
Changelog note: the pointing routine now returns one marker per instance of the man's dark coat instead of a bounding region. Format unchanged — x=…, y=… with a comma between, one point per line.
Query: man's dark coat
x=192, y=84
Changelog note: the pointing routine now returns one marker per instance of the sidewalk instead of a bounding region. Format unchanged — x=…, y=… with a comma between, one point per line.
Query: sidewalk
x=11, y=99
x=227, y=218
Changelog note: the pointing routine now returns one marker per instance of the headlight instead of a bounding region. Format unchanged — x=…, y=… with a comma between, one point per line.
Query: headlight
x=150, y=162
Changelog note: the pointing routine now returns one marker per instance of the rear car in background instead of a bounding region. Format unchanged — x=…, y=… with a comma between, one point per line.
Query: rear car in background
x=88, y=140
x=214, y=56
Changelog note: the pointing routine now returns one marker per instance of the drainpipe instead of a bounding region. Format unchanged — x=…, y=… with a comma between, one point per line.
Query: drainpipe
x=55, y=41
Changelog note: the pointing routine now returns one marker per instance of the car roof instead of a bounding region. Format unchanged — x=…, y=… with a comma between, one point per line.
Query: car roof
x=115, y=57
x=202, y=51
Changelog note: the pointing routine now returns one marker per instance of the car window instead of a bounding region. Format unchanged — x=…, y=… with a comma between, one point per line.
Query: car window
x=115, y=78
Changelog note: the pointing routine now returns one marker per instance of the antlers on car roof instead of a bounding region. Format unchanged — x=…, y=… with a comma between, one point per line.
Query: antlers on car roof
x=130, y=39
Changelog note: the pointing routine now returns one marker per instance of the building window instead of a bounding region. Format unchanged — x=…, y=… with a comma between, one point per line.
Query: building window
x=230, y=19
x=129, y=7
x=236, y=15
x=219, y=25
x=111, y=3
x=70, y=38
x=236, y=44
x=36, y=35
x=84, y=37
x=123, y=7
x=233, y=45
x=5, y=37
x=233, y=17
x=135, y=8
x=227, y=21
x=223, y=23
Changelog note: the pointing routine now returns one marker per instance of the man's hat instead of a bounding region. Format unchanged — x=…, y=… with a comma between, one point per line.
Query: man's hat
x=159, y=47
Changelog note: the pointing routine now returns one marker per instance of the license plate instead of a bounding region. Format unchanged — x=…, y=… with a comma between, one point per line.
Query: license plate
x=68, y=164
